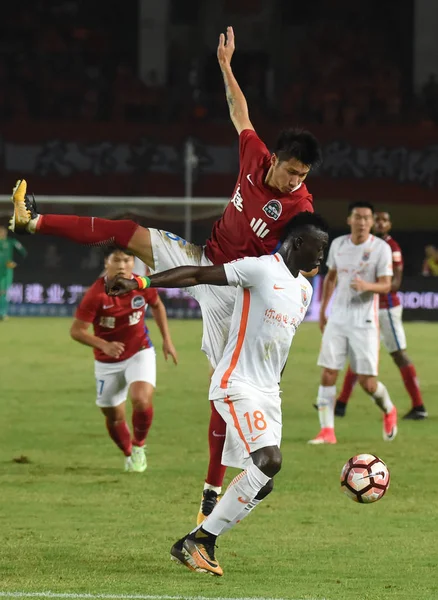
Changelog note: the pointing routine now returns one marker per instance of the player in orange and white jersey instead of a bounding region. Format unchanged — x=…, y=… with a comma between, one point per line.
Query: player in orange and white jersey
x=360, y=268
x=271, y=301
x=392, y=332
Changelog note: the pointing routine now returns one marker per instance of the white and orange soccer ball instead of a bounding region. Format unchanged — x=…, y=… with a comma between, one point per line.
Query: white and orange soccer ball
x=365, y=478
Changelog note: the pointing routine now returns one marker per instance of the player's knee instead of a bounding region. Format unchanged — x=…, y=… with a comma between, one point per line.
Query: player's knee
x=268, y=460
x=328, y=377
x=400, y=358
x=368, y=384
x=141, y=395
x=266, y=490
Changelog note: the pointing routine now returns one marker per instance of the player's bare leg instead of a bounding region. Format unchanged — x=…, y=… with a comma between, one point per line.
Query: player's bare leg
x=141, y=393
x=418, y=411
x=326, y=404
x=380, y=395
x=119, y=431
x=83, y=230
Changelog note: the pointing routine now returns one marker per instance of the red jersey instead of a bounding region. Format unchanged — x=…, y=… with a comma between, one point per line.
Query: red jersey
x=254, y=221
x=117, y=318
x=392, y=299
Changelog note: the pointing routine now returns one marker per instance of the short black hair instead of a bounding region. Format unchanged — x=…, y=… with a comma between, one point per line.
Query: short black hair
x=306, y=219
x=108, y=250
x=360, y=204
x=299, y=144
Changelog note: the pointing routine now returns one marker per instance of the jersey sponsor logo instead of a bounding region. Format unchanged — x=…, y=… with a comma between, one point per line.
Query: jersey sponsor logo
x=108, y=322
x=273, y=209
x=304, y=296
x=237, y=199
x=135, y=317
x=259, y=227
x=249, y=178
x=175, y=238
x=138, y=302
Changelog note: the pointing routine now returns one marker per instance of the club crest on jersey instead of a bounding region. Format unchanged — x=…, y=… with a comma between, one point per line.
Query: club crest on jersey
x=304, y=296
x=138, y=302
x=273, y=209
x=366, y=255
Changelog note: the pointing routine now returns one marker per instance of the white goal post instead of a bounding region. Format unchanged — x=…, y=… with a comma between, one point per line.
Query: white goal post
x=130, y=201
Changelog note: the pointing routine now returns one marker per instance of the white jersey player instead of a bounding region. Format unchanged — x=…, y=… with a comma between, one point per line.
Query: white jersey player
x=271, y=301
x=360, y=268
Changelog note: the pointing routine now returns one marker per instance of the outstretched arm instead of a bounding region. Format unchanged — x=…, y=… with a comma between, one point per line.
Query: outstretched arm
x=173, y=278
x=235, y=98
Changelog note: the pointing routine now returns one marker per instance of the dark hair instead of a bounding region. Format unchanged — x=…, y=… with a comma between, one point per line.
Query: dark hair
x=306, y=219
x=360, y=204
x=299, y=144
x=108, y=250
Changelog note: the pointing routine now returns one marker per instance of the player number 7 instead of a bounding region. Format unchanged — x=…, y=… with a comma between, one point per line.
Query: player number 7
x=100, y=385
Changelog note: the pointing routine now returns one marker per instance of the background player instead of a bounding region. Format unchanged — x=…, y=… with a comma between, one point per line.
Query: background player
x=124, y=355
x=360, y=267
x=391, y=329
x=269, y=191
x=271, y=302
x=7, y=266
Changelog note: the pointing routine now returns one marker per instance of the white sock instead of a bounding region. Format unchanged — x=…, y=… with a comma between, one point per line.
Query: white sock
x=32, y=225
x=326, y=406
x=215, y=488
x=382, y=399
x=241, y=491
x=244, y=513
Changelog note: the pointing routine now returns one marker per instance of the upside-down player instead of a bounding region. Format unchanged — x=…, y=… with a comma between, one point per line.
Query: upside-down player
x=391, y=329
x=124, y=355
x=360, y=268
x=269, y=191
x=271, y=301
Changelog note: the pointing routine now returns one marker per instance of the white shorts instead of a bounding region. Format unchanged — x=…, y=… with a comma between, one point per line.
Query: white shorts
x=253, y=421
x=392, y=332
x=113, y=379
x=216, y=302
x=361, y=346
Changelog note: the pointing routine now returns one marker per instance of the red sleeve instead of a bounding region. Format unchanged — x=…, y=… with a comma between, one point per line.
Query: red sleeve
x=89, y=305
x=251, y=146
x=151, y=296
x=397, y=257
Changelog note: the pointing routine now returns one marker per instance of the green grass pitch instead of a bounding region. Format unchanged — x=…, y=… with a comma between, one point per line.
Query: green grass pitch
x=73, y=522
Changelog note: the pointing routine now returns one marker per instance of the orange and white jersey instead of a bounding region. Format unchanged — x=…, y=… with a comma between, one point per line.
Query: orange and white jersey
x=270, y=305
x=369, y=260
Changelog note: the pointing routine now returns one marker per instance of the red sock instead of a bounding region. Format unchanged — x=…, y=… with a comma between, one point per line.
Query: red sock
x=88, y=230
x=120, y=434
x=216, y=441
x=141, y=422
x=347, y=389
x=410, y=380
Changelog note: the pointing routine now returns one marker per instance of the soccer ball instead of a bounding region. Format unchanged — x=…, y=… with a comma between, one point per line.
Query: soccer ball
x=365, y=478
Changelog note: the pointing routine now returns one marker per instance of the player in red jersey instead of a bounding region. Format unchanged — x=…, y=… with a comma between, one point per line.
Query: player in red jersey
x=270, y=190
x=392, y=330
x=124, y=355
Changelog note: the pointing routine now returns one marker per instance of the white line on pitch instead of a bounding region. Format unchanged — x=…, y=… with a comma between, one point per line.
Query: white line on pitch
x=73, y=596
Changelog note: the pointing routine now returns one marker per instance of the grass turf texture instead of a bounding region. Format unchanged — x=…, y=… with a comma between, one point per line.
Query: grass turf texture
x=72, y=521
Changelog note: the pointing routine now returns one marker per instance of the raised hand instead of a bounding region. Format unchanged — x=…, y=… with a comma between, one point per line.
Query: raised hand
x=226, y=48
